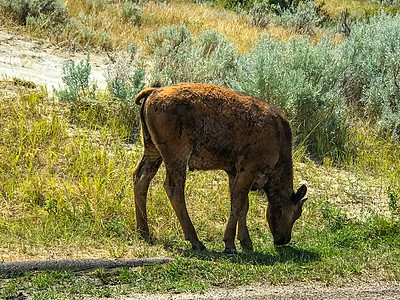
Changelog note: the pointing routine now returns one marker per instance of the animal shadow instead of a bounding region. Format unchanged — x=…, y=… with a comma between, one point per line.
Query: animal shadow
x=281, y=254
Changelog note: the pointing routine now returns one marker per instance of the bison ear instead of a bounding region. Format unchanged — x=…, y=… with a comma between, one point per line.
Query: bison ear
x=301, y=192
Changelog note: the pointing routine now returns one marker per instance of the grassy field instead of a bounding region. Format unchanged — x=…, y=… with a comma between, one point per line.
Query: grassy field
x=66, y=190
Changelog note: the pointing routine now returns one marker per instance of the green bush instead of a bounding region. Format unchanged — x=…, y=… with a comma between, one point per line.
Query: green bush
x=81, y=93
x=372, y=76
x=177, y=57
x=54, y=10
x=76, y=79
x=90, y=37
x=315, y=84
x=304, y=17
x=394, y=203
x=283, y=5
x=125, y=79
x=91, y=108
x=234, y=4
x=260, y=14
x=132, y=13
x=301, y=79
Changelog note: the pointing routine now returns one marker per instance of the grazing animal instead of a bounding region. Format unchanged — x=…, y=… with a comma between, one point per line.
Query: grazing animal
x=207, y=127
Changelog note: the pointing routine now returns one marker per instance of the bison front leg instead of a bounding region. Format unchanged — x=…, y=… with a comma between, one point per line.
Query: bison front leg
x=243, y=232
x=175, y=187
x=239, y=188
x=142, y=176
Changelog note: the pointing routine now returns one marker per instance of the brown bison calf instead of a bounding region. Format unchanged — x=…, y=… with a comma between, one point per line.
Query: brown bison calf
x=207, y=127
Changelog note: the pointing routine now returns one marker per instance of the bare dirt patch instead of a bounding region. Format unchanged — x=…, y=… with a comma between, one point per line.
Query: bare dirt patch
x=42, y=62
x=357, y=290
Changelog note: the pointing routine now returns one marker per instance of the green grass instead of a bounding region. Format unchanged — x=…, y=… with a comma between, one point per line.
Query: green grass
x=336, y=252
x=66, y=192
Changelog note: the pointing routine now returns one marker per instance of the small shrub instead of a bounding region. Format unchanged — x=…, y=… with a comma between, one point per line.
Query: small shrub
x=80, y=34
x=179, y=58
x=84, y=36
x=234, y=4
x=76, y=80
x=168, y=39
x=260, y=14
x=304, y=17
x=283, y=5
x=80, y=93
x=372, y=77
x=132, y=13
x=125, y=79
x=54, y=10
x=170, y=48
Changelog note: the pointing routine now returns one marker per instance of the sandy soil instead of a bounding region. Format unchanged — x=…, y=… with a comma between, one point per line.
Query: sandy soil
x=42, y=63
x=358, y=290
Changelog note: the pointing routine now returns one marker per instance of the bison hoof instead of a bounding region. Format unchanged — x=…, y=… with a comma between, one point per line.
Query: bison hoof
x=230, y=251
x=144, y=234
x=200, y=247
x=246, y=246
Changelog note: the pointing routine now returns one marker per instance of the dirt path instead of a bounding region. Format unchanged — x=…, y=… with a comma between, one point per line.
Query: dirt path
x=298, y=291
x=41, y=62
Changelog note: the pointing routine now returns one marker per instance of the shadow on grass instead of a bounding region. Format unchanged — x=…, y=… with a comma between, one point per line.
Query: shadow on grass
x=281, y=254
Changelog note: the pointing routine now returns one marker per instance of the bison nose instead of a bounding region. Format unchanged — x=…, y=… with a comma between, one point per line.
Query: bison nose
x=281, y=241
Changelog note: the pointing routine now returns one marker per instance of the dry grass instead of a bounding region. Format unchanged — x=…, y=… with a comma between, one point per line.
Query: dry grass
x=156, y=15
x=336, y=7
x=108, y=19
x=196, y=17
x=204, y=17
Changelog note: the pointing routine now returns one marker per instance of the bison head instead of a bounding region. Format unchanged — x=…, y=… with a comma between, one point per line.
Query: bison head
x=281, y=216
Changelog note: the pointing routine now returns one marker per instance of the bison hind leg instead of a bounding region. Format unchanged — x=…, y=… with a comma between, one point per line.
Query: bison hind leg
x=142, y=176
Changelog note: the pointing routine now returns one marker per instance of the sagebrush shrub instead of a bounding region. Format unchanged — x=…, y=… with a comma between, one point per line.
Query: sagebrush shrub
x=304, y=17
x=77, y=82
x=372, y=58
x=168, y=39
x=132, y=12
x=260, y=14
x=125, y=79
x=301, y=79
x=388, y=2
x=54, y=10
x=177, y=57
x=91, y=108
x=283, y=5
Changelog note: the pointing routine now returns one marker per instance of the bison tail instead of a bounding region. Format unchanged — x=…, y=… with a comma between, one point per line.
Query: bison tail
x=143, y=95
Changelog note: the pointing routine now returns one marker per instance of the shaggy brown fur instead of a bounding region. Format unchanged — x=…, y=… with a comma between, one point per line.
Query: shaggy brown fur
x=203, y=126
